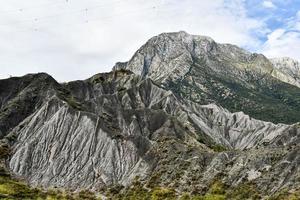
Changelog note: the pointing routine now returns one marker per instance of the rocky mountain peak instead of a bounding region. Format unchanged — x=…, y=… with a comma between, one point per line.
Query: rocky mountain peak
x=169, y=56
x=183, y=37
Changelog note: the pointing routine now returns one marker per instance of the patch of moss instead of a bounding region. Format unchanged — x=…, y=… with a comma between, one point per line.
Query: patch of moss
x=218, y=148
x=217, y=187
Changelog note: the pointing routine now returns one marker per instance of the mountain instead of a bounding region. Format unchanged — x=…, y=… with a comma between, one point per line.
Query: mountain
x=154, y=128
x=199, y=69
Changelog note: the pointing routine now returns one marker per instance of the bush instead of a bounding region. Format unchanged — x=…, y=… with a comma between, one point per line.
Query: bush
x=217, y=188
x=163, y=194
x=244, y=191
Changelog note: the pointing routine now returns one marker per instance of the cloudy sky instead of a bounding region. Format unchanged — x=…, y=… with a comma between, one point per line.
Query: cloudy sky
x=74, y=39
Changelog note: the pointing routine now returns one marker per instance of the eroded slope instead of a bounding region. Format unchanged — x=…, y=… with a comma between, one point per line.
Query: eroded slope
x=126, y=127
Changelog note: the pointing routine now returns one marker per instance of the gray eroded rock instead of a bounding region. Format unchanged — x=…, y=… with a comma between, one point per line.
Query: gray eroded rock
x=131, y=128
x=287, y=70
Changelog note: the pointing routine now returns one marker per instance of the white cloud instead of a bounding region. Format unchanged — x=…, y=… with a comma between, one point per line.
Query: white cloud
x=284, y=42
x=275, y=35
x=269, y=4
x=76, y=39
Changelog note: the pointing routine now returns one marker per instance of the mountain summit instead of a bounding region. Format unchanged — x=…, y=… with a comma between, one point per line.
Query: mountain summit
x=171, y=56
x=178, y=119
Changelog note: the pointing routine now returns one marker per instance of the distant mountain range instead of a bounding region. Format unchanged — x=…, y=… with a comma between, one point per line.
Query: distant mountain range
x=184, y=117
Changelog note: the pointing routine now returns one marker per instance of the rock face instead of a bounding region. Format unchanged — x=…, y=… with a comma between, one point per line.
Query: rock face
x=171, y=56
x=116, y=127
x=288, y=70
x=19, y=97
x=199, y=69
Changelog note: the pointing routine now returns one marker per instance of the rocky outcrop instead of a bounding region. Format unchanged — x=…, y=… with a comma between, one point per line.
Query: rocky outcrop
x=287, y=70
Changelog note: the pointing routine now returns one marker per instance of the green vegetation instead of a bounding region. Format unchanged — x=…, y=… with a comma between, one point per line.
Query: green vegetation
x=286, y=195
x=217, y=191
x=263, y=97
x=163, y=193
x=66, y=96
x=73, y=103
x=218, y=148
x=244, y=191
x=12, y=189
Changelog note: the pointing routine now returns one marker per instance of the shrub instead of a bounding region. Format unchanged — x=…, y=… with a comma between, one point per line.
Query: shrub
x=163, y=194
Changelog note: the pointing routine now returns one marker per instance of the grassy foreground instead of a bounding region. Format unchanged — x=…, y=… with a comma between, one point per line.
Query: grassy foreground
x=11, y=189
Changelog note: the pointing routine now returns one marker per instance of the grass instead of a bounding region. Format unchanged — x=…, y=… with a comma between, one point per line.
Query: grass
x=13, y=189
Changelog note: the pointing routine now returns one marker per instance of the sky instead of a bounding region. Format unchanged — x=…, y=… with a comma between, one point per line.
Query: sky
x=75, y=39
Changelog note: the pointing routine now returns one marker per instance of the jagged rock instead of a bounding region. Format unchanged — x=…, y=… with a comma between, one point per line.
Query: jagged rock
x=137, y=131
x=287, y=70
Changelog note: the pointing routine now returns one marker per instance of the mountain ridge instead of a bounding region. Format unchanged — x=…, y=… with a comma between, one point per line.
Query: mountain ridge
x=207, y=72
x=58, y=114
